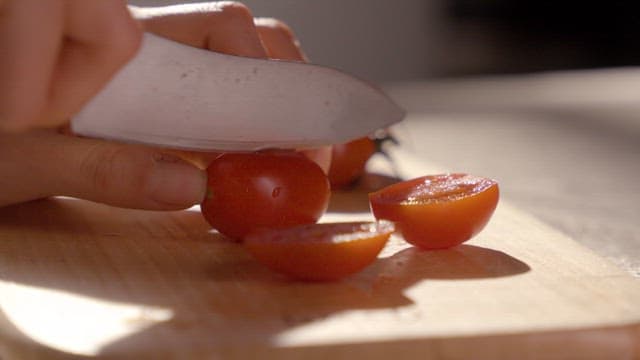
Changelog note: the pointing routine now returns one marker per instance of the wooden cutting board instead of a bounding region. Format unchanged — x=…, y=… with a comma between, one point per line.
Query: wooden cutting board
x=82, y=279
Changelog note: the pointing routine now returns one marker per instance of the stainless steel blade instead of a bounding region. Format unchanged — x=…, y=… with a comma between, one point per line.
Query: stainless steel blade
x=177, y=96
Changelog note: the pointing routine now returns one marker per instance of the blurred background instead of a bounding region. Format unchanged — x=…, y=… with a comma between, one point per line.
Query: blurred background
x=543, y=96
x=388, y=41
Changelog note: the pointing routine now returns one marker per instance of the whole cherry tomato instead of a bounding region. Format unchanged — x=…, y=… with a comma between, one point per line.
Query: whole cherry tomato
x=326, y=251
x=348, y=161
x=273, y=189
x=438, y=211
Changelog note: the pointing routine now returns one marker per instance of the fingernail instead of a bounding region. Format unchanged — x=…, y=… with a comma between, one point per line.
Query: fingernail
x=176, y=182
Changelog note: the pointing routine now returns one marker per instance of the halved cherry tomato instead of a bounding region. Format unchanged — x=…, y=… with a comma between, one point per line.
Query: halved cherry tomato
x=320, y=252
x=348, y=161
x=438, y=211
x=273, y=189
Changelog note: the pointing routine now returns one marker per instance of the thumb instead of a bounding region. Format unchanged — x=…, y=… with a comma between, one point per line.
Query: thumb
x=130, y=176
x=115, y=174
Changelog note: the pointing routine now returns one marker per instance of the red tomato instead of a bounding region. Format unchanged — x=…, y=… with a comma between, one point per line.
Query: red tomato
x=264, y=189
x=320, y=252
x=348, y=161
x=438, y=211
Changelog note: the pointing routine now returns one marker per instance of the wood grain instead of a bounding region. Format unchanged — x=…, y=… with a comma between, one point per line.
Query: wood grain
x=81, y=279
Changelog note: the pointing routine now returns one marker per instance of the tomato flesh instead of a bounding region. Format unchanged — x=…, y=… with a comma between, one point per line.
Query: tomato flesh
x=437, y=211
x=274, y=189
x=348, y=161
x=319, y=252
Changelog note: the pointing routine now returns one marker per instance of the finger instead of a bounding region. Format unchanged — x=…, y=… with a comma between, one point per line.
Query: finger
x=281, y=43
x=130, y=176
x=30, y=38
x=45, y=163
x=56, y=55
x=100, y=37
x=224, y=26
x=199, y=25
x=198, y=158
x=278, y=40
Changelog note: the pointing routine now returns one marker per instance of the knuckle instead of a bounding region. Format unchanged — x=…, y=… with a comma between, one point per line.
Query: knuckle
x=131, y=40
x=127, y=39
x=109, y=169
x=236, y=11
x=277, y=25
x=97, y=167
x=121, y=37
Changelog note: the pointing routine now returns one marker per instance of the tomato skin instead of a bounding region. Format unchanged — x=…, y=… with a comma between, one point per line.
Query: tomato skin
x=319, y=252
x=348, y=161
x=437, y=211
x=273, y=189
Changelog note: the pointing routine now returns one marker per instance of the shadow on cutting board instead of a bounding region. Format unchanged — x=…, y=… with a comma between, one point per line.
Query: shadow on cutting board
x=354, y=198
x=218, y=296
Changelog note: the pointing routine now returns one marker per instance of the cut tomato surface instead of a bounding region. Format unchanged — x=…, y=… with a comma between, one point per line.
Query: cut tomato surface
x=437, y=211
x=319, y=252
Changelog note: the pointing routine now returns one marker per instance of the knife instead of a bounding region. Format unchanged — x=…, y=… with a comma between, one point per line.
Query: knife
x=177, y=96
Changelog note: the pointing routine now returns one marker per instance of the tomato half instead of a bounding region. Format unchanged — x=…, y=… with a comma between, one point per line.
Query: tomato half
x=273, y=189
x=438, y=211
x=348, y=161
x=320, y=252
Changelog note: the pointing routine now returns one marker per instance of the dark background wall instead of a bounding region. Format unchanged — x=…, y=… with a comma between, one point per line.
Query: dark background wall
x=528, y=35
x=389, y=41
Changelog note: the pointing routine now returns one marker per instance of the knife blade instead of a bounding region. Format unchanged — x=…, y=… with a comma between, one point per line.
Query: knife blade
x=177, y=96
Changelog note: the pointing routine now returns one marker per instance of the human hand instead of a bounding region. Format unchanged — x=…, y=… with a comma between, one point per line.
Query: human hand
x=56, y=55
x=207, y=25
x=42, y=163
